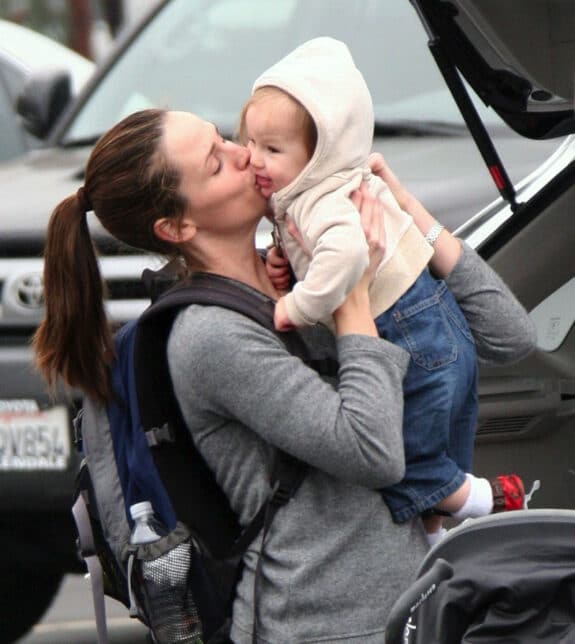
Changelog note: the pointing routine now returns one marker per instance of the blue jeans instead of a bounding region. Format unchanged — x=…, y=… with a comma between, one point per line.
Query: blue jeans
x=440, y=394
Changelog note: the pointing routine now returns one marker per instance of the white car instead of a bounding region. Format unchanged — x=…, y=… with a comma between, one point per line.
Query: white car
x=23, y=51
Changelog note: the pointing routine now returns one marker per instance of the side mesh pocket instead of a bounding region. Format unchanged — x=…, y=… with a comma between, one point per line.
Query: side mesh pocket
x=175, y=594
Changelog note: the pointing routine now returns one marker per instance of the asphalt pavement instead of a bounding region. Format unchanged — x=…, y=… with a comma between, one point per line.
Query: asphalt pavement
x=70, y=619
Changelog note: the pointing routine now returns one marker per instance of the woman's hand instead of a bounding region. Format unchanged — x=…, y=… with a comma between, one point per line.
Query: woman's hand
x=447, y=248
x=371, y=212
x=354, y=315
x=380, y=168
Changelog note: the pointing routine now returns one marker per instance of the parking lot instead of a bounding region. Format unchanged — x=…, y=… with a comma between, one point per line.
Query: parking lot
x=70, y=619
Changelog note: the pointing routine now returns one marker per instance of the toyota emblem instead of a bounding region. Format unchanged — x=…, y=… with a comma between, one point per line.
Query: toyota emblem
x=30, y=291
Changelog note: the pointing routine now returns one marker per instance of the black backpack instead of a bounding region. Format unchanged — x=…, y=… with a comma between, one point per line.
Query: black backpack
x=138, y=448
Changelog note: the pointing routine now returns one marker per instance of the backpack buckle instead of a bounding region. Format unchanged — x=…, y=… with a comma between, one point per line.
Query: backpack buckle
x=157, y=435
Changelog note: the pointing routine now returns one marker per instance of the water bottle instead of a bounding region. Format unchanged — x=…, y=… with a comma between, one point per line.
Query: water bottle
x=147, y=528
x=162, y=587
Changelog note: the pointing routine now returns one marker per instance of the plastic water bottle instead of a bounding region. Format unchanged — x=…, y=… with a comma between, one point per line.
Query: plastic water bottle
x=147, y=528
x=162, y=585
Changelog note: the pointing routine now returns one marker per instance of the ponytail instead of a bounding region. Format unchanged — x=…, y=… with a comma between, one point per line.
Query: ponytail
x=75, y=340
x=129, y=184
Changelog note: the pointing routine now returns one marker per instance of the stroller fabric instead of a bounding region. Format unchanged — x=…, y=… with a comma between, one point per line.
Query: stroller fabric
x=511, y=580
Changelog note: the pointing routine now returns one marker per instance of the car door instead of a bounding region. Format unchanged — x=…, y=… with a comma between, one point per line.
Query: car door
x=520, y=58
x=527, y=410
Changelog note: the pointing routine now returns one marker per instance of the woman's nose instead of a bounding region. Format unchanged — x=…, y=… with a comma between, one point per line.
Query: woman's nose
x=242, y=156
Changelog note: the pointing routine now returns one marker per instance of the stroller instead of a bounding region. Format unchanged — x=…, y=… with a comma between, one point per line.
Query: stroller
x=501, y=579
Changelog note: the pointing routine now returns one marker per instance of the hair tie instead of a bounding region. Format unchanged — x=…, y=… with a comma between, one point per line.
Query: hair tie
x=83, y=200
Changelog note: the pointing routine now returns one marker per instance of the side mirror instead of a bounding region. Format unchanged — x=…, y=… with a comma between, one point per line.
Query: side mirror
x=44, y=98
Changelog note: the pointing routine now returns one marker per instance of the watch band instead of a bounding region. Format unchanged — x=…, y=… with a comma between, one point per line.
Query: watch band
x=433, y=233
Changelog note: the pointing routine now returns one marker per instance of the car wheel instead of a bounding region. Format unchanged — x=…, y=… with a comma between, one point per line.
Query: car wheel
x=25, y=596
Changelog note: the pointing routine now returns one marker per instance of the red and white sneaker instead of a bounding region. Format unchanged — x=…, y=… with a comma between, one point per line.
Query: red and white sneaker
x=508, y=493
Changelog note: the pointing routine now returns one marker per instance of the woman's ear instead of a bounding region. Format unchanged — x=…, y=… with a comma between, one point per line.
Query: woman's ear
x=173, y=230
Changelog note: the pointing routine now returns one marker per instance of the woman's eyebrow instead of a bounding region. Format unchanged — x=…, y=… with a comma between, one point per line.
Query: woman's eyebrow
x=209, y=154
x=212, y=147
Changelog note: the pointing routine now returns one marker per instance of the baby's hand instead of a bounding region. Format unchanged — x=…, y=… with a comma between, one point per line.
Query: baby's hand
x=281, y=319
x=277, y=267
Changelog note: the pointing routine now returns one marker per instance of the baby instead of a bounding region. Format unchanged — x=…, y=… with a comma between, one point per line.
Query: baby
x=309, y=128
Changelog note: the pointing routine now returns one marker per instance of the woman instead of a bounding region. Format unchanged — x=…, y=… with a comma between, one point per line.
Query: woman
x=334, y=562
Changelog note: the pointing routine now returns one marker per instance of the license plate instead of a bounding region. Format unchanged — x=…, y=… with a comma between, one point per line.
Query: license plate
x=33, y=438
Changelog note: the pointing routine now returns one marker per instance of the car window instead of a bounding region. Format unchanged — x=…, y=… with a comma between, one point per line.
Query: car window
x=203, y=56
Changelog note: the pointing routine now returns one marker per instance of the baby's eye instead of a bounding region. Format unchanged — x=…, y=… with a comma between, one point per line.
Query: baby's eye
x=273, y=149
x=218, y=167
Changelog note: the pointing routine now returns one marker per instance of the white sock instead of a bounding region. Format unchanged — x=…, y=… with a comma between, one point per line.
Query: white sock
x=435, y=537
x=479, y=503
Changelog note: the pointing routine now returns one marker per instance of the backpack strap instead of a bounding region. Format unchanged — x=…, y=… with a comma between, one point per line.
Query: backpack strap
x=175, y=455
x=87, y=549
x=169, y=295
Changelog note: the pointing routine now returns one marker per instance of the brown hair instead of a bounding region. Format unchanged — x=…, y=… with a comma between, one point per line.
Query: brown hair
x=304, y=121
x=129, y=185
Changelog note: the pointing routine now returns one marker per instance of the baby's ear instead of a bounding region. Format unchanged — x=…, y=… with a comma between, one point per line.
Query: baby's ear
x=172, y=230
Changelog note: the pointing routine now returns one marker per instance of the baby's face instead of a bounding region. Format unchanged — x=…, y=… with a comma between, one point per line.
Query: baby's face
x=277, y=148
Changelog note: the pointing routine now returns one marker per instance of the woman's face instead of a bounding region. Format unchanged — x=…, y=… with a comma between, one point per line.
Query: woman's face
x=216, y=175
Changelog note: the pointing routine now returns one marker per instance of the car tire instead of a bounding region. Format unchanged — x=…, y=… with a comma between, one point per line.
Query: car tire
x=25, y=595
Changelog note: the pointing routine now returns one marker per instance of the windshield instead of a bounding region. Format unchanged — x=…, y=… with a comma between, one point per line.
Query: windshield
x=203, y=56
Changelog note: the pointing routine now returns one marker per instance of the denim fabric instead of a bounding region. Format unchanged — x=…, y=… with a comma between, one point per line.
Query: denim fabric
x=440, y=390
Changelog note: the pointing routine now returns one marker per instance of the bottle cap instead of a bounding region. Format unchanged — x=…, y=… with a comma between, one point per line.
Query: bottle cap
x=140, y=509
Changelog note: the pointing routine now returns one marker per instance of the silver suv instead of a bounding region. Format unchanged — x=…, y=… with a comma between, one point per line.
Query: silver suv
x=202, y=56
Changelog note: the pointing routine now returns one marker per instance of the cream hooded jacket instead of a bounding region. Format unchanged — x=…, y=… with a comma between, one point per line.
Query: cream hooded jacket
x=322, y=76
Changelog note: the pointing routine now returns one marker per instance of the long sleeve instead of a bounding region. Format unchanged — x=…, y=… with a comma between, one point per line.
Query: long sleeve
x=332, y=260
x=333, y=254
x=237, y=372
x=501, y=326
x=241, y=395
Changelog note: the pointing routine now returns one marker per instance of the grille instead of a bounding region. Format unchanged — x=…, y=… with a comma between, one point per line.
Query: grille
x=503, y=425
x=16, y=336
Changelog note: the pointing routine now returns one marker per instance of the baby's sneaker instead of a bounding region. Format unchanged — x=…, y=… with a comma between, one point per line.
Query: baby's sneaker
x=508, y=493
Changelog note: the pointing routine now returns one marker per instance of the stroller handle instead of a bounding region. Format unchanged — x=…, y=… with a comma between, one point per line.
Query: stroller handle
x=409, y=601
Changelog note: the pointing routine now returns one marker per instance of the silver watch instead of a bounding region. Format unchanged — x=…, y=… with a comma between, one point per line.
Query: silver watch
x=433, y=233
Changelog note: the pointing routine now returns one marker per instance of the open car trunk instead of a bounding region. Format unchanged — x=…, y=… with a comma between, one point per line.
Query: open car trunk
x=519, y=57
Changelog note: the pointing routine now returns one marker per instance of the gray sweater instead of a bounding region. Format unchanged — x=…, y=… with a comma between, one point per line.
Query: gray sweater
x=334, y=561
